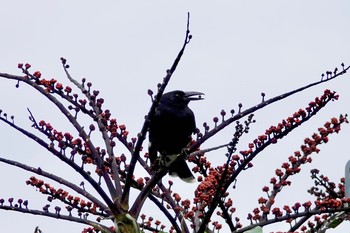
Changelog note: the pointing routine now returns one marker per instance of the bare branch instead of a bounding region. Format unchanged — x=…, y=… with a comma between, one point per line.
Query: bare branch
x=310, y=213
x=135, y=210
x=263, y=104
x=60, y=180
x=71, y=119
x=102, y=129
x=57, y=215
x=52, y=150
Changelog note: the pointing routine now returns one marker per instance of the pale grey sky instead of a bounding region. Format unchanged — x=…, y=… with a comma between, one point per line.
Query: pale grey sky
x=239, y=49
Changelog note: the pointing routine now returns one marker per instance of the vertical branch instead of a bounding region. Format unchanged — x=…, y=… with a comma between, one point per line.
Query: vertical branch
x=142, y=134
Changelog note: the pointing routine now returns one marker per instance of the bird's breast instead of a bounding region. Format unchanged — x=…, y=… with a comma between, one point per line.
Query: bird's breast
x=171, y=131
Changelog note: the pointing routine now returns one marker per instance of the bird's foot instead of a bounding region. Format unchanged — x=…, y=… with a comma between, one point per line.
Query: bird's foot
x=167, y=160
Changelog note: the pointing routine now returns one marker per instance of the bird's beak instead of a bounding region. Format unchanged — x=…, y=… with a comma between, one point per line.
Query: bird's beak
x=194, y=95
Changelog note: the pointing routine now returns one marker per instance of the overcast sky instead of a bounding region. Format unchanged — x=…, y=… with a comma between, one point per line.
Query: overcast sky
x=239, y=49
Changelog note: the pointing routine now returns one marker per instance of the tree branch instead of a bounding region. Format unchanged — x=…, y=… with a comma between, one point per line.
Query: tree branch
x=60, y=180
x=135, y=210
x=102, y=128
x=52, y=150
x=57, y=215
x=248, y=158
x=263, y=104
x=306, y=214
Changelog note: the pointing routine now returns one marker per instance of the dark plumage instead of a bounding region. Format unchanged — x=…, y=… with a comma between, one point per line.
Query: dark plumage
x=171, y=129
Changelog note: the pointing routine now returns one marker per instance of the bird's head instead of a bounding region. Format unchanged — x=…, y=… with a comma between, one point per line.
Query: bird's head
x=180, y=99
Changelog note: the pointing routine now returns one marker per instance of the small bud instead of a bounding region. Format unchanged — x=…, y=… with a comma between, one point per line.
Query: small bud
x=63, y=60
x=20, y=201
x=59, y=86
x=68, y=89
x=58, y=209
x=46, y=208
x=27, y=66
x=95, y=92
x=10, y=200
x=240, y=107
x=37, y=74
x=223, y=113
x=123, y=158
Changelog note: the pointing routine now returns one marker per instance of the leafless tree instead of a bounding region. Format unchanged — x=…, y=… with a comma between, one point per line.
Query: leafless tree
x=103, y=164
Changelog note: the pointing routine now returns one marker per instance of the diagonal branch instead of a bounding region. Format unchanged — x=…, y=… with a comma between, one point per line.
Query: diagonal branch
x=259, y=106
x=60, y=180
x=102, y=128
x=57, y=215
x=306, y=214
x=248, y=158
x=72, y=120
x=166, y=213
x=77, y=168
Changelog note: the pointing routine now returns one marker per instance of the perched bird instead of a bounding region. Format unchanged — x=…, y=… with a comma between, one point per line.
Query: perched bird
x=171, y=128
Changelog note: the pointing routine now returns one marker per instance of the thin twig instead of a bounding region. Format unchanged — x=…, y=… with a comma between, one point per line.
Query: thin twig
x=199, y=152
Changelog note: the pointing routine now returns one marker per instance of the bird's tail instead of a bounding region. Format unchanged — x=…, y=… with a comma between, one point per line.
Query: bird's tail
x=179, y=168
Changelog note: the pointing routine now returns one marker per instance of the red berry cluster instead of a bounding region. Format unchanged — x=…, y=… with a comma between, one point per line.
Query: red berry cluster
x=77, y=146
x=96, y=230
x=293, y=167
x=149, y=224
x=62, y=195
x=50, y=85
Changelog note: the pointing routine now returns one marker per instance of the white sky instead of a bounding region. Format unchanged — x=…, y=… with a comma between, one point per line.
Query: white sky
x=239, y=49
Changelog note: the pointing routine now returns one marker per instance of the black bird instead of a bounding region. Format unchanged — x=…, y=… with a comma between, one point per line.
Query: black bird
x=171, y=128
